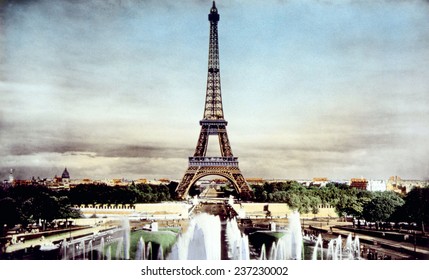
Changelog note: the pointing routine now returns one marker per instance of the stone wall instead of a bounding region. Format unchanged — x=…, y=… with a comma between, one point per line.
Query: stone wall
x=279, y=210
x=140, y=210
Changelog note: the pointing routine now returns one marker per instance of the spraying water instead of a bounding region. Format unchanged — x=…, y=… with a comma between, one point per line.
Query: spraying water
x=141, y=252
x=238, y=243
x=82, y=249
x=64, y=249
x=109, y=253
x=319, y=244
x=126, y=238
x=263, y=255
x=101, y=249
x=201, y=241
x=90, y=252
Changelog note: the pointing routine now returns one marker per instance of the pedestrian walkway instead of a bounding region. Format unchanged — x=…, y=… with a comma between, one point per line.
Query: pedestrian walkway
x=53, y=239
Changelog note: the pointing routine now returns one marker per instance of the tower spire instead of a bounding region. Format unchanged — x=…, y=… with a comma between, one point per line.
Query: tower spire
x=213, y=109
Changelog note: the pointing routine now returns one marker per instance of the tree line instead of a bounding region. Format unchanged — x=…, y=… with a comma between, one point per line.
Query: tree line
x=135, y=193
x=386, y=206
x=33, y=204
x=29, y=204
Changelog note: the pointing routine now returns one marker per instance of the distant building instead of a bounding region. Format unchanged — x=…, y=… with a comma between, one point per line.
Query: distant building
x=119, y=183
x=277, y=180
x=359, y=183
x=84, y=181
x=11, y=178
x=320, y=182
x=164, y=180
x=393, y=183
x=377, y=186
x=220, y=181
x=22, y=183
x=305, y=183
x=57, y=180
x=255, y=181
x=341, y=182
x=65, y=177
x=397, y=184
x=141, y=181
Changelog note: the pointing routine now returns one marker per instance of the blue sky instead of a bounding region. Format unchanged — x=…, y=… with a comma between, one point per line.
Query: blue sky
x=115, y=89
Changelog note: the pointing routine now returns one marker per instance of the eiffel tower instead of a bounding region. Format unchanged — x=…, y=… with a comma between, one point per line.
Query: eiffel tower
x=213, y=123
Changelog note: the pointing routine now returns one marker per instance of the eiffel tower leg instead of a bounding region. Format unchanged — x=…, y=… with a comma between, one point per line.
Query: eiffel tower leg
x=244, y=190
x=183, y=188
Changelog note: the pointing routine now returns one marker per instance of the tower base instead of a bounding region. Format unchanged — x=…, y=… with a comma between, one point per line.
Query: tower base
x=231, y=173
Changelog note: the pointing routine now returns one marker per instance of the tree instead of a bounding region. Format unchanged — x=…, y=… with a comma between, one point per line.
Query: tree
x=8, y=212
x=258, y=193
x=314, y=204
x=382, y=206
x=350, y=201
x=172, y=189
x=416, y=207
x=264, y=196
x=66, y=211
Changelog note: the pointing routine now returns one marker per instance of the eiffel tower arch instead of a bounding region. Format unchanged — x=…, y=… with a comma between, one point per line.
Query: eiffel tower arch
x=213, y=124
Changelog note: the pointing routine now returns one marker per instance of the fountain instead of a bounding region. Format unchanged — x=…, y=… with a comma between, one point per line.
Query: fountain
x=241, y=213
x=286, y=248
x=336, y=251
x=141, y=250
x=101, y=249
x=207, y=237
x=263, y=255
x=149, y=251
x=319, y=243
x=89, y=251
x=109, y=253
x=273, y=252
x=126, y=238
x=286, y=245
x=82, y=249
x=201, y=241
x=289, y=246
x=238, y=243
x=195, y=201
x=357, y=248
x=154, y=226
x=231, y=200
x=331, y=245
x=64, y=249
x=352, y=247
x=119, y=249
x=348, y=247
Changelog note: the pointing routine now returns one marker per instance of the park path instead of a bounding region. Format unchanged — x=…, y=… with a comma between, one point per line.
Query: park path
x=55, y=238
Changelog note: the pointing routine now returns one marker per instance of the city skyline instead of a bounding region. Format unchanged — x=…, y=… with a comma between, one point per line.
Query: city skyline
x=114, y=89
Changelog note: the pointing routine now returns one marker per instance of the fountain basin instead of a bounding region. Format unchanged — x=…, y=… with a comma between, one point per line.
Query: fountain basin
x=164, y=238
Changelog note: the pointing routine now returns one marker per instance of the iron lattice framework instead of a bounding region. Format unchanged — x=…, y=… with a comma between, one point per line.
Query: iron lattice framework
x=213, y=123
